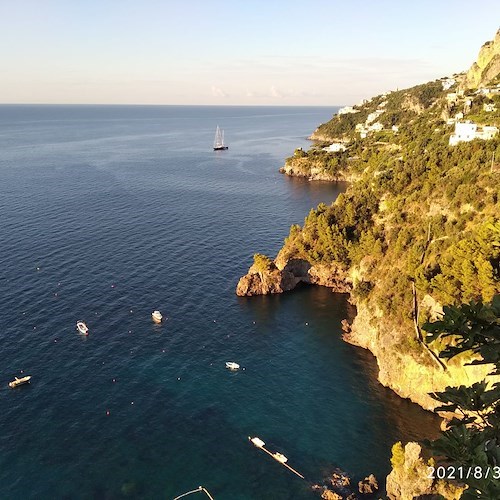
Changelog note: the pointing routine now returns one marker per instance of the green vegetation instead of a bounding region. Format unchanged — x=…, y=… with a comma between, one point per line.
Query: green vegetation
x=472, y=441
x=263, y=263
x=421, y=211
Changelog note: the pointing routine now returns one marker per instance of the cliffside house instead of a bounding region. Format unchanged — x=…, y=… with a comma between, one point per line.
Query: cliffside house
x=448, y=83
x=336, y=147
x=347, y=110
x=468, y=131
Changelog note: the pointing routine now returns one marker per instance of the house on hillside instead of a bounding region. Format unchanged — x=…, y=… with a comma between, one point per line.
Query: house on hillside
x=347, y=110
x=448, y=83
x=464, y=132
x=468, y=131
x=336, y=147
x=487, y=132
x=489, y=107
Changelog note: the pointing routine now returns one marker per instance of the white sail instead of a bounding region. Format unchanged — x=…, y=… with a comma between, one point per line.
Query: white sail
x=219, y=139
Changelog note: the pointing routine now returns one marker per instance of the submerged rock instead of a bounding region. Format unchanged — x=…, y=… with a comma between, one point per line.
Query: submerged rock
x=368, y=485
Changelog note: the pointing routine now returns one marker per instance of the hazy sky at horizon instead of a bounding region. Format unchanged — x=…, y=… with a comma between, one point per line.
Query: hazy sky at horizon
x=275, y=52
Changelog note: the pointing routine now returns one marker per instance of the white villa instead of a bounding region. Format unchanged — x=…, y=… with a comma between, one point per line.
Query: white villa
x=468, y=131
x=336, y=147
x=347, y=110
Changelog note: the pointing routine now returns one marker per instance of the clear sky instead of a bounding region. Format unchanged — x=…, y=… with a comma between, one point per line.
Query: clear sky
x=279, y=52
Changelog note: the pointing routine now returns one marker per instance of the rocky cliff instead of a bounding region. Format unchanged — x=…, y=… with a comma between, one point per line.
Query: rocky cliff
x=411, y=478
x=487, y=66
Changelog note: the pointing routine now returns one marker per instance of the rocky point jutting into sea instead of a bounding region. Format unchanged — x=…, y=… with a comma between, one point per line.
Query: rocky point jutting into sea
x=416, y=228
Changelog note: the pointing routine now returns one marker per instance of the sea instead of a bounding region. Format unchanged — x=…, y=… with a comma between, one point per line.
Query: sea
x=110, y=212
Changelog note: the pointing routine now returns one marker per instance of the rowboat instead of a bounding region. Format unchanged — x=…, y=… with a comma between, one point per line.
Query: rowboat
x=82, y=327
x=20, y=381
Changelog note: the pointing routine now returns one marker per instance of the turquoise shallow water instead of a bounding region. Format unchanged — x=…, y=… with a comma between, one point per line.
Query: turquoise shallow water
x=110, y=212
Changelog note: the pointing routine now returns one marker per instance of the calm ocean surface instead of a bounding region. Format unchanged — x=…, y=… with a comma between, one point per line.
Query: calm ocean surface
x=110, y=212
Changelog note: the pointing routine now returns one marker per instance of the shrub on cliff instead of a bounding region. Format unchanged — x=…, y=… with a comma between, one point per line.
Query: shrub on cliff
x=263, y=263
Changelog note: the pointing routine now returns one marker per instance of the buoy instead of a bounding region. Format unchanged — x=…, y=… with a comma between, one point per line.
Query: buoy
x=178, y=378
x=107, y=412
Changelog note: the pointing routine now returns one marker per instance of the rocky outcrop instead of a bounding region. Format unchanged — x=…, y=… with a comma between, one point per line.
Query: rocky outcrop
x=264, y=283
x=410, y=477
x=303, y=167
x=288, y=273
x=368, y=485
x=487, y=66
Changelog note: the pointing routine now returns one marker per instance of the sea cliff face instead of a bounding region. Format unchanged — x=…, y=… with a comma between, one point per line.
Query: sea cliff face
x=410, y=375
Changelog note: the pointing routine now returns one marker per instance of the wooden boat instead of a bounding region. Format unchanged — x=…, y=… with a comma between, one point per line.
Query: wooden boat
x=20, y=381
x=219, y=140
x=157, y=317
x=231, y=365
x=82, y=328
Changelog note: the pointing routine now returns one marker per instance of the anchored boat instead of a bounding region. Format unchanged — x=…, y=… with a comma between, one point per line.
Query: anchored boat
x=231, y=365
x=82, y=328
x=219, y=140
x=157, y=316
x=20, y=381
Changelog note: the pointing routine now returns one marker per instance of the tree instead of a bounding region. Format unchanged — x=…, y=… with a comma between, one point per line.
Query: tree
x=471, y=445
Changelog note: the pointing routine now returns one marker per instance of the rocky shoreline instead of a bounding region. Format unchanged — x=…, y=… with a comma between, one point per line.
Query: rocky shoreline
x=408, y=377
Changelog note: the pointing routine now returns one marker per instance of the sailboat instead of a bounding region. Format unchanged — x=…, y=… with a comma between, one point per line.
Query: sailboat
x=219, y=140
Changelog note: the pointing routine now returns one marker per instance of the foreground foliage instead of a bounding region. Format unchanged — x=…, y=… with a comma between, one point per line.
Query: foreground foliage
x=471, y=444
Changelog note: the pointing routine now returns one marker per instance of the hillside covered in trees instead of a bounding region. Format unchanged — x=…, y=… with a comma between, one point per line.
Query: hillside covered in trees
x=417, y=229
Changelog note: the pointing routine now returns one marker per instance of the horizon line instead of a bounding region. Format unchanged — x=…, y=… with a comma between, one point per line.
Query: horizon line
x=140, y=104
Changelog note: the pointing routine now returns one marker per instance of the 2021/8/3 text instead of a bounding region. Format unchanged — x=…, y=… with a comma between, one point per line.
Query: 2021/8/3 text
x=461, y=472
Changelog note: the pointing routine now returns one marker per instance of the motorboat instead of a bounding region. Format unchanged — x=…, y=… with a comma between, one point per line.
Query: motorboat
x=280, y=457
x=20, y=381
x=157, y=316
x=231, y=365
x=82, y=328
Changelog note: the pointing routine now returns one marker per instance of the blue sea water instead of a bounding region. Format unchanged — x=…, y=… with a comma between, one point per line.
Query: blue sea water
x=110, y=212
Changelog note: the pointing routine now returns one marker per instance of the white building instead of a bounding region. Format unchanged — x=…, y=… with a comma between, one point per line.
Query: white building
x=376, y=127
x=488, y=132
x=347, y=110
x=448, y=83
x=464, y=132
x=489, y=107
x=336, y=147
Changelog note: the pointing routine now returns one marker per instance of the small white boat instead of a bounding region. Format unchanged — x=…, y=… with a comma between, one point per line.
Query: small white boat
x=157, y=317
x=82, y=328
x=257, y=442
x=280, y=457
x=231, y=365
x=20, y=381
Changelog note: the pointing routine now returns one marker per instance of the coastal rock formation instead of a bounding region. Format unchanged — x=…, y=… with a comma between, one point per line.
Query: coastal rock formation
x=410, y=477
x=368, y=485
x=487, y=66
x=287, y=273
x=266, y=282
x=302, y=167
